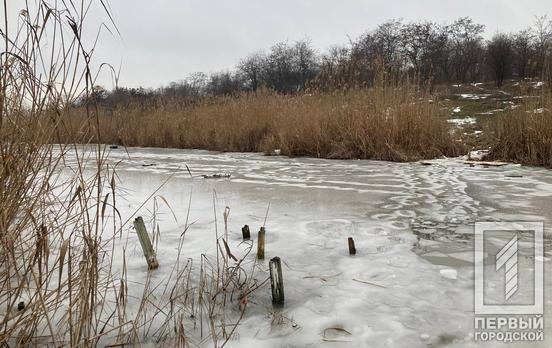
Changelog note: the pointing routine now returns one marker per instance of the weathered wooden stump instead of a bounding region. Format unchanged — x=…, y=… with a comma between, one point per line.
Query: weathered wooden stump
x=145, y=242
x=261, y=244
x=352, y=249
x=276, y=280
x=246, y=233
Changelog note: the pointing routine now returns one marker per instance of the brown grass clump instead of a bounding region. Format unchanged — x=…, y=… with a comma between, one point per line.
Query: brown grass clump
x=49, y=242
x=61, y=283
x=386, y=122
x=524, y=135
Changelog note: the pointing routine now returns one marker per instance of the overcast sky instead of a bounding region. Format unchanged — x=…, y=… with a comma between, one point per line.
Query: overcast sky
x=166, y=40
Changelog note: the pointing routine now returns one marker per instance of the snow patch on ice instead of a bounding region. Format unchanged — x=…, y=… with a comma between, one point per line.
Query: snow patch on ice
x=449, y=273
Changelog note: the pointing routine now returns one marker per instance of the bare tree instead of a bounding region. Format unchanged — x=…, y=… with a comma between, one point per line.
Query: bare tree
x=336, y=55
x=333, y=70
x=251, y=69
x=223, y=83
x=439, y=54
x=523, y=52
x=278, y=70
x=499, y=57
x=543, y=42
x=467, y=44
x=425, y=48
x=198, y=83
x=387, y=45
x=415, y=38
x=288, y=68
x=305, y=63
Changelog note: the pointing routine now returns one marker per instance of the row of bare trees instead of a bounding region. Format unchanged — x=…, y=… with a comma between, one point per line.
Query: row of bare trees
x=433, y=53
x=436, y=53
x=522, y=54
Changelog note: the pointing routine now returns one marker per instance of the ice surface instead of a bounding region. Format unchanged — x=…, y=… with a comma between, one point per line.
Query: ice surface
x=410, y=283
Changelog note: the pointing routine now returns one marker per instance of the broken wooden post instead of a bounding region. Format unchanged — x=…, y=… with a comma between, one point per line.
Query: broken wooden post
x=276, y=280
x=246, y=233
x=352, y=249
x=261, y=244
x=143, y=236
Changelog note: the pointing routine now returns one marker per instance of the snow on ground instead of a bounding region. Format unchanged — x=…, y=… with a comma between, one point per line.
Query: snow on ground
x=526, y=96
x=474, y=96
x=401, y=289
x=462, y=121
x=537, y=111
x=491, y=112
x=478, y=154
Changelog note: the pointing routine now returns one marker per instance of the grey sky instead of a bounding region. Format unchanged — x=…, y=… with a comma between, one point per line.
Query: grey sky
x=166, y=40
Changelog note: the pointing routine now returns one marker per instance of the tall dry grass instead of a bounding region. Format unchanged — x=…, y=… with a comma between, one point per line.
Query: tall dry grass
x=524, y=135
x=60, y=284
x=49, y=246
x=396, y=122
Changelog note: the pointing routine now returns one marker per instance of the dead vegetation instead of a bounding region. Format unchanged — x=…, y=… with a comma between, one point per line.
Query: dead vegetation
x=391, y=121
x=524, y=135
x=61, y=281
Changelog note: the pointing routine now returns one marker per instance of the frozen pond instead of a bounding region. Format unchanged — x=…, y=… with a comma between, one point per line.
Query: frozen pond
x=411, y=283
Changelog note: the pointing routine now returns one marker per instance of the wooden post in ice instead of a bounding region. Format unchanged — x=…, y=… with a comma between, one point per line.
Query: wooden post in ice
x=246, y=233
x=352, y=249
x=276, y=281
x=261, y=244
x=145, y=241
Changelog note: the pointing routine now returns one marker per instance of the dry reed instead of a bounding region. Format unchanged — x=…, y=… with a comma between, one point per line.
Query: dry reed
x=59, y=226
x=395, y=122
x=524, y=135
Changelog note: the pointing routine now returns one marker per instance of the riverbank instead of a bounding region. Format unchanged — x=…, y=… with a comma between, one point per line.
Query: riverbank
x=393, y=123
